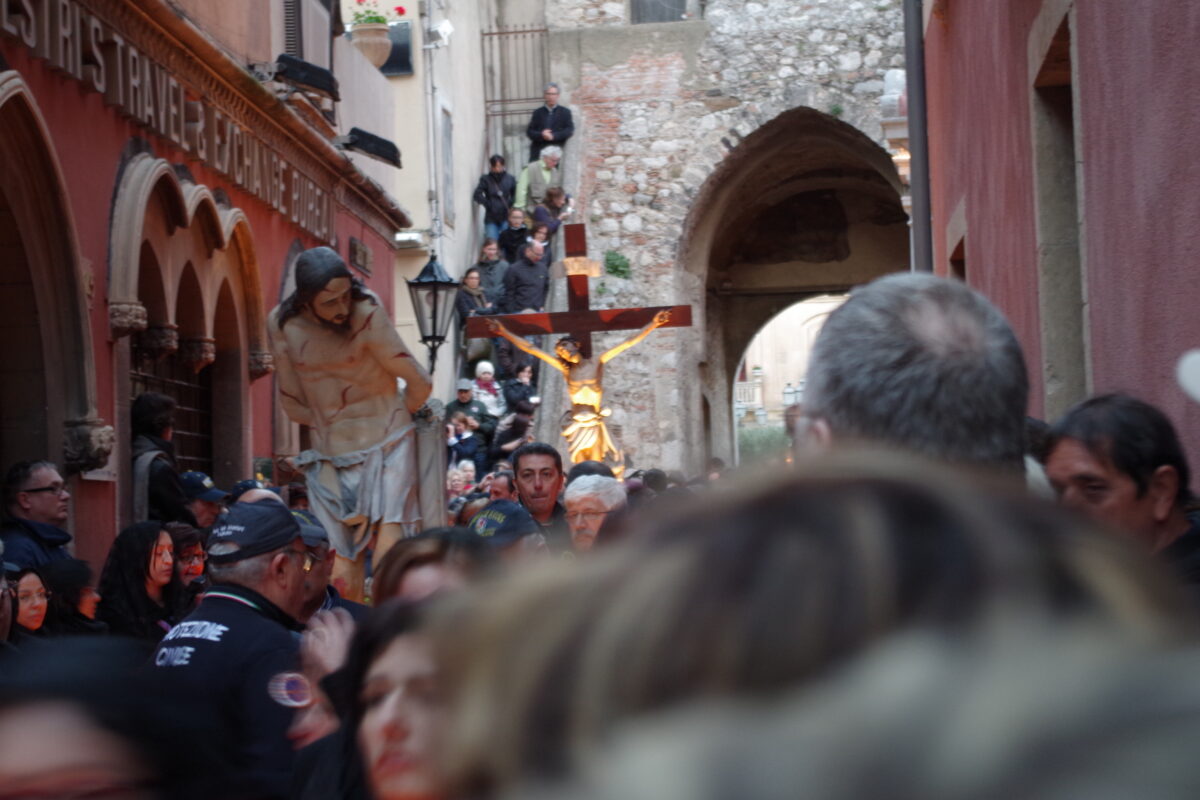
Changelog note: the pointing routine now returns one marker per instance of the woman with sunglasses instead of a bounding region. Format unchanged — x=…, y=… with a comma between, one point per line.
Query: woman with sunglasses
x=190, y=559
x=141, y=597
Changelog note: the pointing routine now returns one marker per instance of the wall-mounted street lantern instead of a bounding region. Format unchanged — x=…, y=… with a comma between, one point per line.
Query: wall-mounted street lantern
x=433, y=293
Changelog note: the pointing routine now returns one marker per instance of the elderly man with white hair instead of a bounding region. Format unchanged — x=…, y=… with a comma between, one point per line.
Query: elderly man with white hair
x=537, y=177
x=589, y=501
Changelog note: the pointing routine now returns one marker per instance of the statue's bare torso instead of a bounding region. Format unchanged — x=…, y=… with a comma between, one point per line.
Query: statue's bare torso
x=342, y=383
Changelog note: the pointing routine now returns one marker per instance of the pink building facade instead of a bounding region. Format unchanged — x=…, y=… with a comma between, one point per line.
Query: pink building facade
x=1063, y=186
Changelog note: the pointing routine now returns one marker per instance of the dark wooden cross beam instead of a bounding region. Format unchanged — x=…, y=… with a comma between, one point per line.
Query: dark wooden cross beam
x=579, y=320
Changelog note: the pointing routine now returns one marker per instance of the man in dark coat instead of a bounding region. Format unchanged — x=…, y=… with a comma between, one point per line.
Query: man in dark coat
x=514, y=236
x=157, y=490
x=495, y=193
x=36, y=505
x=527, y=281
x=550, y=124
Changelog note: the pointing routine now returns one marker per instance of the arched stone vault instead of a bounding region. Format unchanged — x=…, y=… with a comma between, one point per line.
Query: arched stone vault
x=802, y=206
x=192, y=222
x=33, y=182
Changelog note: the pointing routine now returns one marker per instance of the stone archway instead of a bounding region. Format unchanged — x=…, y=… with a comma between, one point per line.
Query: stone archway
x=802, y=206
x=55, y=414
x=186, y=309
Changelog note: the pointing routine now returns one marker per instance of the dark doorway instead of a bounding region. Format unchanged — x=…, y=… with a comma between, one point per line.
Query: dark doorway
x=23, y=408
x=191, y=390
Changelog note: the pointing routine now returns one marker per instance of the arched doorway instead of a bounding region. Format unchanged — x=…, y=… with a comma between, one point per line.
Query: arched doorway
x=769, y=383
x=805, y=205
x=47, y=367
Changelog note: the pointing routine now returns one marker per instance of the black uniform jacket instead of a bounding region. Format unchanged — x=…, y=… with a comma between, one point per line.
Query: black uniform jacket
x=238, y=653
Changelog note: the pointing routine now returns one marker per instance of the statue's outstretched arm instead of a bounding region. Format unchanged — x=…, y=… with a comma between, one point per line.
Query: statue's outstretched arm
x=497, y=328
x=660, y=319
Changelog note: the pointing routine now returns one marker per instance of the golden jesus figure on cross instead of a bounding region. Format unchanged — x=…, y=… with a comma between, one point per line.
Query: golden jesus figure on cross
x=587, y=436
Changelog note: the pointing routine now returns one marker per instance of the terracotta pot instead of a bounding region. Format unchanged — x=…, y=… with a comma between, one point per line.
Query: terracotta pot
x=371, y=38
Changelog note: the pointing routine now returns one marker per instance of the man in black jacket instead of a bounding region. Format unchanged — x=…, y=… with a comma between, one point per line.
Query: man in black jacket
x=36, y=505
x=495, y=193
x=239, y=650
x=527, y=281
x=157, y=490
x=514, y=236
x=550, y=124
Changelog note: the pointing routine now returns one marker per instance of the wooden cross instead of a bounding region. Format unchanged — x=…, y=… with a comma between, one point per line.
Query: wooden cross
x=579, y=321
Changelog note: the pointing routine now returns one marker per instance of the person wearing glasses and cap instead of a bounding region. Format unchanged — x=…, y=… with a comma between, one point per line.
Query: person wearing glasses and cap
x=35, y=509
x=239, y=650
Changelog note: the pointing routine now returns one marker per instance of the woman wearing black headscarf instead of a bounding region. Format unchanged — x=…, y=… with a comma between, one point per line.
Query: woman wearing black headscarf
x=140, y=596
x=73, y=598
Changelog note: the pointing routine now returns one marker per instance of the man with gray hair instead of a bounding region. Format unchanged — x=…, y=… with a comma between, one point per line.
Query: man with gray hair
x=589, y=500
x=923, y=364
x=538, y=176
x=549, y=125
x=239, y=650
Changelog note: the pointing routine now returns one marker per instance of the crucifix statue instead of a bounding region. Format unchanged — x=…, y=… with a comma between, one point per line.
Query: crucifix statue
x=587, y=436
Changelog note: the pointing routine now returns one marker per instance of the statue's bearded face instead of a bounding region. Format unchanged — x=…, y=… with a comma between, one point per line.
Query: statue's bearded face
x=331, y=306
x=567, y=350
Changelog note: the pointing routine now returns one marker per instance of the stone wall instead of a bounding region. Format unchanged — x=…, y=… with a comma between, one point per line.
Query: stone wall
x=658, y=108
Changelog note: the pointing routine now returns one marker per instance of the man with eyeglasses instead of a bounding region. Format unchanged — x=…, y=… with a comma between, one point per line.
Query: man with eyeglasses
x=36, y=507
x=589, y=500
x=239, y=649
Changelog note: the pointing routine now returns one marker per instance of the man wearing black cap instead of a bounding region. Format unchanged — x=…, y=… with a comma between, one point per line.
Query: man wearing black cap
x=239, y=650
x=204, y=499
x=509, y=530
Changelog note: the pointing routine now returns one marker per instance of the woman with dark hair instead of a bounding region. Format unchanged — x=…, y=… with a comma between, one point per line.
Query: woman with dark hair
x=513, y=431
x=553, y=210
x=73, y=598
x=440, y=558
x=190, y=558
x=395, y=712
x=520, y=387
x=540, y=232
x=495, y=192
x=140, y=595
x=471, y=299
x=32, y=602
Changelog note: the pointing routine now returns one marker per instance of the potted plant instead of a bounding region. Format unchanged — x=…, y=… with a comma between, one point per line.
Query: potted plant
x=369, y=30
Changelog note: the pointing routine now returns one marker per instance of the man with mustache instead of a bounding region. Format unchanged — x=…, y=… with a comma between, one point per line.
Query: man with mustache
x=337, y=358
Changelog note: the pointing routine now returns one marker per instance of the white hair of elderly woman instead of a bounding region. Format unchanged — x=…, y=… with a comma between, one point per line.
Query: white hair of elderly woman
x=608, y=491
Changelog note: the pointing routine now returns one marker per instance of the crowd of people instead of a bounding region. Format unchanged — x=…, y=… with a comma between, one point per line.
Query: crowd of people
x=522, y=217
x=942, y=598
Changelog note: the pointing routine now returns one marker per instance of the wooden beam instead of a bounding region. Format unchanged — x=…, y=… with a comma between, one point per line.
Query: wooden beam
x=596, y=321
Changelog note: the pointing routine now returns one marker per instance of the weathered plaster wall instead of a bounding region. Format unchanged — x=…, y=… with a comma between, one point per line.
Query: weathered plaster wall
x=659, y=107
x=1134, y=112
x=1140, y=206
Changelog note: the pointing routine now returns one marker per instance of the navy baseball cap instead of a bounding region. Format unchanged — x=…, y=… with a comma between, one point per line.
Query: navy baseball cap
x=503, y=522
x=241, y=487
x=256, y=528
x=198, y=486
